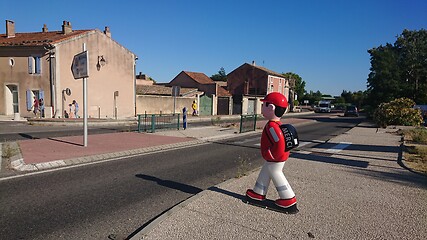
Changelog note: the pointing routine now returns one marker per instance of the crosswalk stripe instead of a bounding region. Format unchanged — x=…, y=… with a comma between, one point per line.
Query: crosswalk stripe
x=339, y=147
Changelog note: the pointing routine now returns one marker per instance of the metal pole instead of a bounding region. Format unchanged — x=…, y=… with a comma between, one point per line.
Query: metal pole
x=139, y=123
x=85, y=104
x=241, y=123
x=63, y=106
x=153, y=123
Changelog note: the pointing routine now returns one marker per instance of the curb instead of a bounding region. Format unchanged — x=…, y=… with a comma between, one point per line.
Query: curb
x=144, y=230
x=19, y=163
x=1, y=155
x=402, y=162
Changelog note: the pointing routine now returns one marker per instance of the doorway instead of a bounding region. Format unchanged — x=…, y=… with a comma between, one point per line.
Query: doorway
x=12, y=99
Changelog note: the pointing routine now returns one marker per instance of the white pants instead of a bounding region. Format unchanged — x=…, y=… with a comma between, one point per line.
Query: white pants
x=273, y=171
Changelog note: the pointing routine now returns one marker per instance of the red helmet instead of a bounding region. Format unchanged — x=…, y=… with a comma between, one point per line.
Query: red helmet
x=277, y=99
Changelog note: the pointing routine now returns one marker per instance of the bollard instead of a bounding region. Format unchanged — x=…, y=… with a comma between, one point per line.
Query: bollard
x=184, y=118
x=139, y=123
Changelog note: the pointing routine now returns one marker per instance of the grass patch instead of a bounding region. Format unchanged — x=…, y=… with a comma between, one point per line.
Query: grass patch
x=8, y=151
x=415, y=150
x=416, y=135
x=243, y=166
x=216, y=121
x=416, y=157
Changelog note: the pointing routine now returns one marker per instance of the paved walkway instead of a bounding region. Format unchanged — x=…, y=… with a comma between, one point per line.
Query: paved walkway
x=350, y=188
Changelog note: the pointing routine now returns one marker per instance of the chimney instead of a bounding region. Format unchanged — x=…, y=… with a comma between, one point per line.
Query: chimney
x=253, y=63
x=66, y=27
x=44, y=29
x=107, y=32
x=10, y=29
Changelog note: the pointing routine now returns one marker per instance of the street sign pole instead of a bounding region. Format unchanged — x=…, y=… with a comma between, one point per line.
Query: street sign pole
x=80, y=69
x=85, y=103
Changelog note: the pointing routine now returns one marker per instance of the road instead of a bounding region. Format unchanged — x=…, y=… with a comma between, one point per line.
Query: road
x=113, y=199
x=14, y=131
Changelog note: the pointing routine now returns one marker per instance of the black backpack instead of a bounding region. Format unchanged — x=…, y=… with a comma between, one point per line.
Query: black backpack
x=291, y=136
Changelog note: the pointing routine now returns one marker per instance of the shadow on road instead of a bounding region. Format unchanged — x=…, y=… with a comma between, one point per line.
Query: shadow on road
x=171, y=184
x=62, y=141
x=226, y=192
x=326, y=158
x=181, y=187
x=360, y=147
x=24, y=135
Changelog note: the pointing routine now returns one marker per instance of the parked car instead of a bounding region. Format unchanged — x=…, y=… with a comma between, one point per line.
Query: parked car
x=351, y=111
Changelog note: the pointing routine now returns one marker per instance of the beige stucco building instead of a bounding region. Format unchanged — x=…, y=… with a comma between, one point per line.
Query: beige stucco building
x=38, y=65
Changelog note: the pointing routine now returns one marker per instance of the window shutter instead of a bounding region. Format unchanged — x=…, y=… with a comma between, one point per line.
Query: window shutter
x=30, y=65
x=41, y=95
x=37, y=65
x=29, y=100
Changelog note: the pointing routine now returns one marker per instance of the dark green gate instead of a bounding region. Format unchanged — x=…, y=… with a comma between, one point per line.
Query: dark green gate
x=205, y=106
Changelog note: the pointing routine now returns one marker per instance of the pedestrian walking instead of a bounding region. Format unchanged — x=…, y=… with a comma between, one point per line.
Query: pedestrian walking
x=194, y=107
x=36, y=105
x=41, y=103
x=76, y=109
x=71, y=110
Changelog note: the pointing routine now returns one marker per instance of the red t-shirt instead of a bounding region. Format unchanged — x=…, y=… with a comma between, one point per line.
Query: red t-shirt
x=273, y=143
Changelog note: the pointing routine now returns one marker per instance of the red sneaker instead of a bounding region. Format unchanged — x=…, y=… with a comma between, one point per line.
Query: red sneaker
x=288, y=205
x=255, y=196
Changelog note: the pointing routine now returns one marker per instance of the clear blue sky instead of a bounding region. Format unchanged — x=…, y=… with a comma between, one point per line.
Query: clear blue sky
x=325, y=42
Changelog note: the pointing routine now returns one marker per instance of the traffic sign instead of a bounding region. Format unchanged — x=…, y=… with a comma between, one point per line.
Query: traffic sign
x=80, y=64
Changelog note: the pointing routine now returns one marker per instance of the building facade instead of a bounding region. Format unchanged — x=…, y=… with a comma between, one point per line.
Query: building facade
x=249, y=83
x=38, y=65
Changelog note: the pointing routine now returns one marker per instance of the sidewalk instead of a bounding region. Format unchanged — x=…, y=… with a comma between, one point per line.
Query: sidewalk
x=349, y=188
x=43, y=154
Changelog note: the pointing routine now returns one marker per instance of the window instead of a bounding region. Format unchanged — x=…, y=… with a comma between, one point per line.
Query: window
x=34, y=65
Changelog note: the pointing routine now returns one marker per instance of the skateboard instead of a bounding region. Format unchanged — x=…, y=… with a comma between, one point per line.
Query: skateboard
x=271, y=205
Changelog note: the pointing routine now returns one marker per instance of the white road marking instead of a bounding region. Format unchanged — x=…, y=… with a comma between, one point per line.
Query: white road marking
x=301, y=144
x=339, y=147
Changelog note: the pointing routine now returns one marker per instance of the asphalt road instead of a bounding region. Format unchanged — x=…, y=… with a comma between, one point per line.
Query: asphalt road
x=14, y=131
x=113, y=199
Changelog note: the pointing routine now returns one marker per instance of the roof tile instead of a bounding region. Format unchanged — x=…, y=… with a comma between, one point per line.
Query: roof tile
x=199, y=77
x=38, y=38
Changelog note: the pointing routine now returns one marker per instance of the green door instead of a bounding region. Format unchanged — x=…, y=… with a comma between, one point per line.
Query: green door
x=205, y=106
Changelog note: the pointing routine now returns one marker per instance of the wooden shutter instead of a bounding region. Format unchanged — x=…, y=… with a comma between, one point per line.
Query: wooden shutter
x=37, y=65
x=30, y=64
x=41, y=95
x=29, y=100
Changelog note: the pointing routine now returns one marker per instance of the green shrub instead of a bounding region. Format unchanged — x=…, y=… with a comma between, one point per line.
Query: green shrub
x=418, y=135
x=398, y=112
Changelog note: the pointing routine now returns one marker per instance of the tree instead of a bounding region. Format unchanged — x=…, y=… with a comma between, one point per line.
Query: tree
x=220, y=76
x=355, y=98
x=399, y=69
x=313, y=97
x=299, y=83
x=347, y=96
x=412, y=48
x=384, y=81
